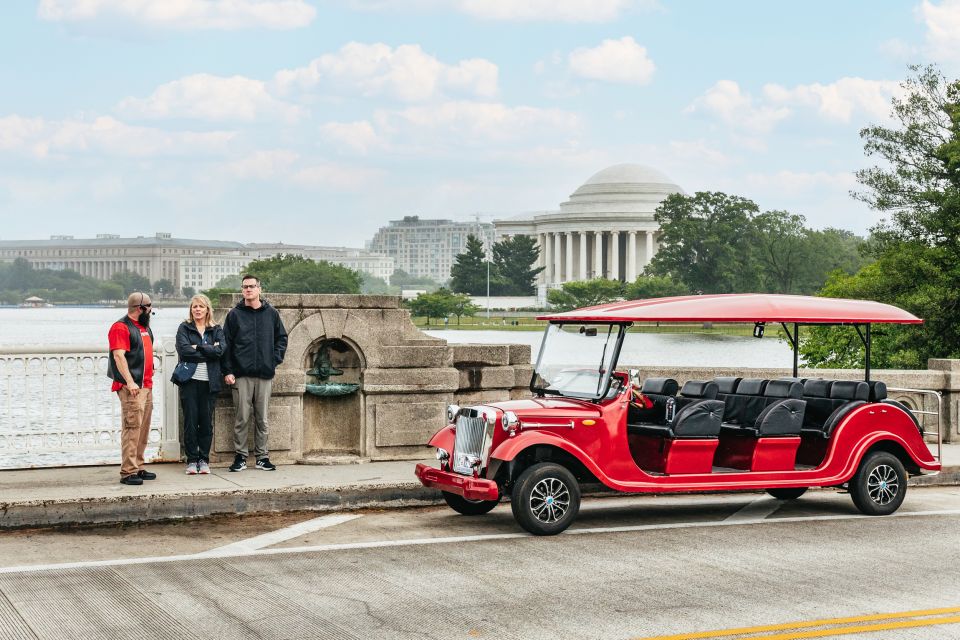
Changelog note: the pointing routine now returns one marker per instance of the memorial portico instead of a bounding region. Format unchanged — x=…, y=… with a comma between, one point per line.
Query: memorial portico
x=605, y=230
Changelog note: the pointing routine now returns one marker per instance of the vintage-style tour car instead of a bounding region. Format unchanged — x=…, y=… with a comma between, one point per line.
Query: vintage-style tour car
x=587, y=422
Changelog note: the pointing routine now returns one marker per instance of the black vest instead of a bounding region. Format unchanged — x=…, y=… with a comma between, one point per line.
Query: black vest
x=134, y=356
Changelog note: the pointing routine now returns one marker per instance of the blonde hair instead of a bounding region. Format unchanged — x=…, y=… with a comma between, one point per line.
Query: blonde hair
x=208, y=320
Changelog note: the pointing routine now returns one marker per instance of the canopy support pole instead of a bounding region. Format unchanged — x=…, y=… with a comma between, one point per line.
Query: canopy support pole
x=794, y=342
x=866, y=344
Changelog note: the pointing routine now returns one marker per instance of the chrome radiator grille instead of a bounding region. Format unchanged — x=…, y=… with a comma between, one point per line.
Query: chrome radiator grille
x=469, y=443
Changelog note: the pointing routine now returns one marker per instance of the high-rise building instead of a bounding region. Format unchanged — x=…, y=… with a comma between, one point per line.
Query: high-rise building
x=428, y=248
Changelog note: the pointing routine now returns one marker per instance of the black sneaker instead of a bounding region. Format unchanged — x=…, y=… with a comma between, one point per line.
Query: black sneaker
x=146, y=475
x=239, y=463
x=266, y=465
x=133, y=479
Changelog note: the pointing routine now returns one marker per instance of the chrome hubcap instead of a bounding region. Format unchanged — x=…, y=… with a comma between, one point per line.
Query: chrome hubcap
x=549, y=500
x=883, y=484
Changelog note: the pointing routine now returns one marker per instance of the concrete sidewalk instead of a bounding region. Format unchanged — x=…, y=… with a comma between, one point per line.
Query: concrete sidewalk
x=94, y=495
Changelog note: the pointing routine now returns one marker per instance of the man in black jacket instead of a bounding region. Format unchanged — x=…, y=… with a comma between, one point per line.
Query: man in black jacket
x=256, y=343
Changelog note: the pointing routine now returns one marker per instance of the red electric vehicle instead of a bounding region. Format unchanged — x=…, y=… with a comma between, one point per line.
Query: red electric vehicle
x=586, y=422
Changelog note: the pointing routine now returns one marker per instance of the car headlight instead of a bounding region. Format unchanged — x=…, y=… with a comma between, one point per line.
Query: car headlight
x=452, y=411
x=509, y=420
x=442, y=454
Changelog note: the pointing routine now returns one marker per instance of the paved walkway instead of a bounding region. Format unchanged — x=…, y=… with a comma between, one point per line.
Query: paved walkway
x=94, y=495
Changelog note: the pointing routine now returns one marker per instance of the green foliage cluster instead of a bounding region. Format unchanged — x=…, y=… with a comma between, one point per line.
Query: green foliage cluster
x=586, y=293
x=511, y=271
x=403, y=280
x=442, y=304
x=718, y=243
x=19, y=281
x=296, y=274
x=917, y=250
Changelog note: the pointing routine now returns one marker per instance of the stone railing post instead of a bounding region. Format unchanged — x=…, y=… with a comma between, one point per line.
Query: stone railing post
x=170, y=425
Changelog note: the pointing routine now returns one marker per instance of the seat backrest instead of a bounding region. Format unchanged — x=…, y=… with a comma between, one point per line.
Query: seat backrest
x=878, y=391
x=660, y=387
x=850, y=390
x=819, y=405
x=780, y=389
x=699, y=389
x=660, y=391
x=751, y=387
x=726, y=385
x=746, y=404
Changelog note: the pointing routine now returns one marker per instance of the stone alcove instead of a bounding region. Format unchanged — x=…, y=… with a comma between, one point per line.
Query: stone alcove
x=331, y=424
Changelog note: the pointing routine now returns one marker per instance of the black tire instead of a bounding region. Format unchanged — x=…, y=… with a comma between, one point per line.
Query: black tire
x=879, y=485
x=788, y=493
x=468, y=507
x=545, y=499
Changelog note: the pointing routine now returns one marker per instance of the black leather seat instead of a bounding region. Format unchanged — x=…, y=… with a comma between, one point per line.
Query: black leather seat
x=783, y=415
x=660, y=391
x=697, y=413
x=743, y=407
x=826, y=413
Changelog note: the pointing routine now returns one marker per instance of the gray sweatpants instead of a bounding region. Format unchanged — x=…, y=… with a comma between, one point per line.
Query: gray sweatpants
x=250, y=398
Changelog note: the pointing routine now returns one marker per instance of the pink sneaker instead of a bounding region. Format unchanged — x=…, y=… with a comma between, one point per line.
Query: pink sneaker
x=192, y=469
x=203, y=467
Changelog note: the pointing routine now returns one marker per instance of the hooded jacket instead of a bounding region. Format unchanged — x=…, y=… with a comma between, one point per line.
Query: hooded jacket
x=256, y=341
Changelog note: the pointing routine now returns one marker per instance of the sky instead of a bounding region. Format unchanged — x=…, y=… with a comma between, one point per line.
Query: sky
x=318, y=121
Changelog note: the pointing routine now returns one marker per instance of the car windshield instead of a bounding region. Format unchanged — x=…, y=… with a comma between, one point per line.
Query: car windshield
x=576, y=360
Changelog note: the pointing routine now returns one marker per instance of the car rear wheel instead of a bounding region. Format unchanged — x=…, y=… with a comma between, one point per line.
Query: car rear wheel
x=879, y=485
x=789, y=493
x=468, y=507
x=545, y=499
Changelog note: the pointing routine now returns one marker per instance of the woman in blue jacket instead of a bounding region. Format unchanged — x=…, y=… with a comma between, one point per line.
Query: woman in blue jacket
x=200, y=343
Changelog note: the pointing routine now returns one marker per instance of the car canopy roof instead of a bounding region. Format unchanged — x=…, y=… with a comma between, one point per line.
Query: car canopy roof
x=741, y=307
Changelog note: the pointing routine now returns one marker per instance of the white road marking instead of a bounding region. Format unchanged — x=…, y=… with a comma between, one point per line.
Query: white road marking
x=278, y=536
x=455, y=539
x=757, y=510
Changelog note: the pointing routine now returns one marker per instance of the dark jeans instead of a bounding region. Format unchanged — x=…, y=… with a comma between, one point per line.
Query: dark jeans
x=197, y=404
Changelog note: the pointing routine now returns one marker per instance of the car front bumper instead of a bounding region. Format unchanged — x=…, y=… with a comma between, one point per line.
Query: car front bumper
x=469, y=487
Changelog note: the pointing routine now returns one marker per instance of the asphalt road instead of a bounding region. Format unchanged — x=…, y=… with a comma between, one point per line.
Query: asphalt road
x=629, y=568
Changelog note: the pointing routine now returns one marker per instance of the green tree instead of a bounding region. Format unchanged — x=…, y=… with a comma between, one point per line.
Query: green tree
x=164, y=287
x=404, y=280
x=371, y=284
x=585, y=293
x=189, y=292
x=469, y=271
x=782, y=249
x=917, y=249
x=462, y=305
x=708, y=242
x=513, y=262
x=131, y=281
x=438, y=304
x=269, y=268
x=315, y=277
x=649, y=286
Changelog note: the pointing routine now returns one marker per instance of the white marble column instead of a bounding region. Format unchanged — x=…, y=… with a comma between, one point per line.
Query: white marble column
x=615, y=257
x=649, y=254
x=557, y=258
x=598, y=254
x=631, y=256
x=583, y=255
x=568, y=272
x=547, y=250
x=542, y=257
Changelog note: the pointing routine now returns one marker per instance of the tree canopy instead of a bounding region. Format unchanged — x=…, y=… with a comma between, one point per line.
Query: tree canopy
x=585, y=293
x=469, y=271
x=296, y=274
x=511, y=271
x=18, y=280
x=442, y=303
x=917, y=249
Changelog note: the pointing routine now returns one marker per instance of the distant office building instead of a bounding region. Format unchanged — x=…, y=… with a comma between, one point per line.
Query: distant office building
x=203, y=270
x=376, y=264
x=428, y=247
x=155, y=258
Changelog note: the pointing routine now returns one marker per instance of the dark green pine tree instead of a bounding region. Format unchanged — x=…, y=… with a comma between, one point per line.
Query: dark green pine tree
x=513, y=260
x=469, y=272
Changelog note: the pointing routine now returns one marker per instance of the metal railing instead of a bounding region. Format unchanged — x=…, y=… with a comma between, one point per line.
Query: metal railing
x=56, y=408
x=922, y=413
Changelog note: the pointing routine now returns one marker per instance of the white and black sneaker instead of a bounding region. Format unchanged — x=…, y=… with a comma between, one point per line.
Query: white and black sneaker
x=266, y=465
x=239, y=463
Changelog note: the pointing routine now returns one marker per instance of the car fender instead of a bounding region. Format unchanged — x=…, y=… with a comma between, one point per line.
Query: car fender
x=444, y=438
x=513, y=447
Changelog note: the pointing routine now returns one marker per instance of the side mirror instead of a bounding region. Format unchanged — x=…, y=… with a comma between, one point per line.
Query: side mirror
x=634, y=376
x=758, y=330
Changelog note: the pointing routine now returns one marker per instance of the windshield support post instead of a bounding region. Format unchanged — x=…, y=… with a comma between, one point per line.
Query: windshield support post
x=866, y=339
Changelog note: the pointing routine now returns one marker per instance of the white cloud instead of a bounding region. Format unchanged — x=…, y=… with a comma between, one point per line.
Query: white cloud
x=104, y=135
x=838, y=100
x=943, y=29
x=622, y=61
x=546, y=10
x=354, y=136
x=328, y=175
x=736, y=109
x=485, y=123
x=209, y=97
x=185, y=14
x=796, y=182
x=405, y=73
x=263, y=165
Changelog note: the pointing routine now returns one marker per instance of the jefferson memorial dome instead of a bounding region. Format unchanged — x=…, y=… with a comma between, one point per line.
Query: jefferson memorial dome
x=605, y=230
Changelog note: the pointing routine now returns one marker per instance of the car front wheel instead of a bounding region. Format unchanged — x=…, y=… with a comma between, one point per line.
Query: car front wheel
x=879, y=485
x=468, y=507
x=545, y=499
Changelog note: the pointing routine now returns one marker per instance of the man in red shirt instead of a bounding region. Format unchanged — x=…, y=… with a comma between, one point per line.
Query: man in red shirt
x=131, y=368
